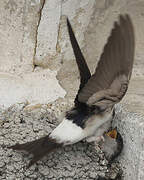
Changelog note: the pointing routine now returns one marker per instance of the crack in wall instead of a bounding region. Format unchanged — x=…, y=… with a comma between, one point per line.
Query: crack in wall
x=42, y=2
x=58, y=48
x=23, y=23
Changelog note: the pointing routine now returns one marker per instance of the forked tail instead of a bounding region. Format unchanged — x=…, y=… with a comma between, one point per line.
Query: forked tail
x=39, y=148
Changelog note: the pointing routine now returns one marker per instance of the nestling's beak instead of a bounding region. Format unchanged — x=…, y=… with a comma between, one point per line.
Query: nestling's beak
x=112, y=133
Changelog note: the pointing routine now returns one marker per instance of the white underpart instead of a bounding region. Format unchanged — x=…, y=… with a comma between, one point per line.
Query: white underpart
x=67, y=132
x=98, y=124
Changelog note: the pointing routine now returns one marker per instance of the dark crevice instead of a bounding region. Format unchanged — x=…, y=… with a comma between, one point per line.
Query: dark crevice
x=40, y=15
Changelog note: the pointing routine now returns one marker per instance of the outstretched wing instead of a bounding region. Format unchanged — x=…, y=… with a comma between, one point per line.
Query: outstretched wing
x=110, y=81
x=82, y=65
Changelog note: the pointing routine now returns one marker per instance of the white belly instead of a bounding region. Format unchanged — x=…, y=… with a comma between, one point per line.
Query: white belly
x=68, y=132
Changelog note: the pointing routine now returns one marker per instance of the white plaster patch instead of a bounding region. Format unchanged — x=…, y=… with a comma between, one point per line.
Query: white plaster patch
x=37, y=87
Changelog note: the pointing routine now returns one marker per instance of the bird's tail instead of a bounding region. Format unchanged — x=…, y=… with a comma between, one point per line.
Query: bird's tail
x=39, y=148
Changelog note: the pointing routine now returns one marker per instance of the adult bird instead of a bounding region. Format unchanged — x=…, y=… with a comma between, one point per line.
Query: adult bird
x=97, y=94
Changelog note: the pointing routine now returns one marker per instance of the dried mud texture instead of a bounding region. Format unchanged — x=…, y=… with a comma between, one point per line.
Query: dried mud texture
x=21, y=123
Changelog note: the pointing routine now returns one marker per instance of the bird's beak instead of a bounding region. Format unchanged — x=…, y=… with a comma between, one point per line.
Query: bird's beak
x=112, y=133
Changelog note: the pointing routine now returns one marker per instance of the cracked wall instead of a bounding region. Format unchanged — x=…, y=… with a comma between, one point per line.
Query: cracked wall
x=18, y=20
x=20, y=80
x=35, y=43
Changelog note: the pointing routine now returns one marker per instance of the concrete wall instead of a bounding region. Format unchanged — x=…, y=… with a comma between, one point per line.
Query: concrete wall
x=34, y=40
x=36, y=60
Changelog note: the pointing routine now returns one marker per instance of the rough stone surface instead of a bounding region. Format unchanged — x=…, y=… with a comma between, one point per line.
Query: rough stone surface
x=19, y=80
x=47, y=33
x=18, y=23
x=131, y=127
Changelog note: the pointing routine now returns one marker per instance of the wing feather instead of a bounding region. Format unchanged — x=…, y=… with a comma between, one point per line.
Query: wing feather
x=113, y=72
x=81, y=62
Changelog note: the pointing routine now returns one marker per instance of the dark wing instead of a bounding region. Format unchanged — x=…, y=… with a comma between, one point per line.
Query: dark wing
x=39, y=148
x=82, y=65
x=110, y=81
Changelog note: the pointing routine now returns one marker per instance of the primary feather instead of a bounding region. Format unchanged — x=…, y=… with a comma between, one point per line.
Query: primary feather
x=81, y=62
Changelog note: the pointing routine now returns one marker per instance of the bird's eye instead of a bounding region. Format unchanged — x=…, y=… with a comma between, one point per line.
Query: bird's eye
x=113, y=115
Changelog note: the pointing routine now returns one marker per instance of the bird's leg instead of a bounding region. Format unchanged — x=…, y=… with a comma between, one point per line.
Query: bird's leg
x=96, y=139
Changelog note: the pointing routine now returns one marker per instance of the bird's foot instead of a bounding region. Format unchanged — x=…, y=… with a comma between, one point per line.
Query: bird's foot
x=96, y=139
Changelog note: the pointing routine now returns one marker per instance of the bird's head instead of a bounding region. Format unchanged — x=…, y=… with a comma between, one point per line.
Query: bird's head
x=112, y=145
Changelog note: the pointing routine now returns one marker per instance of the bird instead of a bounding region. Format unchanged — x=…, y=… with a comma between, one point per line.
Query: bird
x=111, y=145
x=97, y=94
